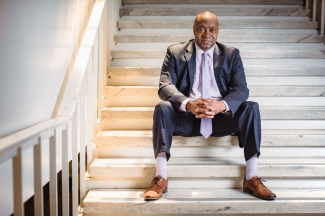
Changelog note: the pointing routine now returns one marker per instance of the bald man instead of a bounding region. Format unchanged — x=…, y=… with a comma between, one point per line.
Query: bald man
x=203, y=90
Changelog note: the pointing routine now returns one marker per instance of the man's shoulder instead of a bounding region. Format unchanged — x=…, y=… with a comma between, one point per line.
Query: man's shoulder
x=181, y=45
x=226, y=49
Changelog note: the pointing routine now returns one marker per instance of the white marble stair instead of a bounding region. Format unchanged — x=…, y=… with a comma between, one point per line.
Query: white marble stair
x=283, y=57
x=203, y=201
x=212, y=2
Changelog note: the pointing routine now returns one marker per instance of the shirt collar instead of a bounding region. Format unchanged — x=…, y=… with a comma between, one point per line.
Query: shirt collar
x=199, y=51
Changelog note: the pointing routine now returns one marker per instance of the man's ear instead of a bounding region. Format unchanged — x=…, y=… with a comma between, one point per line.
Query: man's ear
x=194, y=29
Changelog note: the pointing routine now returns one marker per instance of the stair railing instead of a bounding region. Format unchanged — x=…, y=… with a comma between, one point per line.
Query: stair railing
x=70, y=133
x=315, y=13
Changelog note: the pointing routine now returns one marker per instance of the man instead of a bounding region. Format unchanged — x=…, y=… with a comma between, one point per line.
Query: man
x=204, y=92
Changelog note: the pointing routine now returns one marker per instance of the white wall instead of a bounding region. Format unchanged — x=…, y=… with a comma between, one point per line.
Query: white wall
x=37, y=39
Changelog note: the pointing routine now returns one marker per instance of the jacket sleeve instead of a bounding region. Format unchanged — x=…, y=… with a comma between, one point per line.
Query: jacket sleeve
x=168, y=80
x=238, y=92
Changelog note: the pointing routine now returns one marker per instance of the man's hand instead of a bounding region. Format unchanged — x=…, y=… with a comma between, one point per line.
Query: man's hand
x=205, y=108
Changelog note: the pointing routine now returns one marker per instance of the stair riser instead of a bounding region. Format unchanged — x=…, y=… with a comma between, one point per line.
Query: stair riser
x=212, y=183
x=219, y=12
x=219, y=208
x=223, y=38
x=262, y=83
x=266, y=114
x=249, y=71
x=254, y=91
x=227, y=141
x=150, y=101
x=209, y=152
x=222, y=2
x=135, y=124
x=183, y=171
x=246, y=54
x=224, y=24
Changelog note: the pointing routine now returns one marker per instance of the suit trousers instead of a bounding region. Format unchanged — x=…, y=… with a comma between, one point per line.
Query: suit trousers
x=246, y=124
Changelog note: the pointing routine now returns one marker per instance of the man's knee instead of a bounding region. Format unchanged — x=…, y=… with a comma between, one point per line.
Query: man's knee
x=251, y=106
x=164, y=107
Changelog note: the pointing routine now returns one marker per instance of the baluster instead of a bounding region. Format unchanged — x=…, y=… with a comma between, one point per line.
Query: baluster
x=75, y=142
x=18, y=184
x=89, y=112
x=67, y=141
x=314, y=10
x=322, y=18
x=83, y=130
x=38, y=187
x=54, y=141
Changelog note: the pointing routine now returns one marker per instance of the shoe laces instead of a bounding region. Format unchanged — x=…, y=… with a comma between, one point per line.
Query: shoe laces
x=155, y=181
x=260, y=181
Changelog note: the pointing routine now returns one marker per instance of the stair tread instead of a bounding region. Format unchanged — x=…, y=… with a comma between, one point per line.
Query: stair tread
x=204, y=201
x=222, y=37
x=136, y=195
x=264, y=132
x=230, y=2
x=220, y=11
x=174, y=162
x=249, y=71
x=226, y=24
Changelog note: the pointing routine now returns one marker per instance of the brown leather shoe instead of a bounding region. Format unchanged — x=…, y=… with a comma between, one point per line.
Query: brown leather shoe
x=158, y=186
x=255, y=186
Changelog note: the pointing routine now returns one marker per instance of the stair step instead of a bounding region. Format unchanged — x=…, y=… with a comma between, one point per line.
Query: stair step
x=222, y=32
x=257, y=81
x=212, y=183
x=246, y=47
x=131, y=38
x=196, y=202
x=219, y=11
x=249, y=71
x=237, y=2
x=270, y=138
x=255, y=91
x=248, y=54
x=207, y=167
x=149, y=62
x=267, y=113
x=224, y=24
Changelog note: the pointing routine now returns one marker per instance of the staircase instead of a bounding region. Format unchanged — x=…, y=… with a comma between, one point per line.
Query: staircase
x=284, y=61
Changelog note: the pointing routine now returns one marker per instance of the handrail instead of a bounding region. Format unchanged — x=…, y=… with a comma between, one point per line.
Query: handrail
x=69, y=100
x=9, y=144
x=71, y=130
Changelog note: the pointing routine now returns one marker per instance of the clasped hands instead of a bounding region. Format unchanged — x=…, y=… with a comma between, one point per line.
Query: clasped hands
x=205, y=107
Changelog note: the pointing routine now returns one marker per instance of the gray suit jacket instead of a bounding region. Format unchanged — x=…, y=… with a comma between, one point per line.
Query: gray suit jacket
x=177, y=74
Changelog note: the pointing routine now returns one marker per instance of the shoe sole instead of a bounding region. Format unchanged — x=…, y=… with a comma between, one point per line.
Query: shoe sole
x=246, y=190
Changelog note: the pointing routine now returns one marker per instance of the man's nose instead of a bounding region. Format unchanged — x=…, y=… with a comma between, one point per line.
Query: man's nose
x=207, y=33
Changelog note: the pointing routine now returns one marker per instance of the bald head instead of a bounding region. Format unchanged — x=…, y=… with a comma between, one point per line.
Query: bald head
x=206, y=29
x=206, y=15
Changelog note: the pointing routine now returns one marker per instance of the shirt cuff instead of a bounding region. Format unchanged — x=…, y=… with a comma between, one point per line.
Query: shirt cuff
x=227, y=107
x=183, y=105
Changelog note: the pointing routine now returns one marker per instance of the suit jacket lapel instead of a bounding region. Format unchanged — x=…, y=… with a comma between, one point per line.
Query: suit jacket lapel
x=191, y=62
x=218, y=58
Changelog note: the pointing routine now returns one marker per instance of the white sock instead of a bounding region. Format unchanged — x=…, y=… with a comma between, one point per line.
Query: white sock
x=161, y=165
x=251, y=167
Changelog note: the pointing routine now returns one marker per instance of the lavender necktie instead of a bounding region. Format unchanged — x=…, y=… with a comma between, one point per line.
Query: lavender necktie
x=205, y=82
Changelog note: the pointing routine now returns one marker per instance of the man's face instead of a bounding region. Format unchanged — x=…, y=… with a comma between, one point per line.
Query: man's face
x=206, y=32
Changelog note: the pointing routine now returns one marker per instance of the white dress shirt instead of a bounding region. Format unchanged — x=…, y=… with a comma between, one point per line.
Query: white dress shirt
x=196, y=92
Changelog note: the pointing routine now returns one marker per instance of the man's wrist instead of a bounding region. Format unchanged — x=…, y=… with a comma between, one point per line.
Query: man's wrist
x=183, y=107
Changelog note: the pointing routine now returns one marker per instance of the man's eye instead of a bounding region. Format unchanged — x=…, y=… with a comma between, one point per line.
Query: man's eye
x=212, y=30
x=201, y=29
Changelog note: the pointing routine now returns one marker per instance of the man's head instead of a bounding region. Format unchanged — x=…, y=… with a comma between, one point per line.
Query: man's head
x=206, y=29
